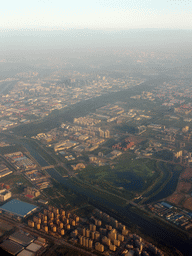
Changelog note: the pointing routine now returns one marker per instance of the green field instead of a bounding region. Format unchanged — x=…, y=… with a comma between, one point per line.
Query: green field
x=12, y=179
x=126, y=177
x=62, y=196
x=11, y=149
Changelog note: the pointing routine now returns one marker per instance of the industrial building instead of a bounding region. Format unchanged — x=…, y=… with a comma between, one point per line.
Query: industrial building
x=21, y=238
x=42, y=201
x=26, y=253
x=64, y=145
x=32, y=191
x=4, y=170
x=34, y=247
x=17, y=242
x=5, y=173
x=20, y=160
x=4, y=195
x=18, y=208
x=11, y=247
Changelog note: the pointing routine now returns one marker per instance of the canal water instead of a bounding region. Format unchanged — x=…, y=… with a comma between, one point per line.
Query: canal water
x=36, y=156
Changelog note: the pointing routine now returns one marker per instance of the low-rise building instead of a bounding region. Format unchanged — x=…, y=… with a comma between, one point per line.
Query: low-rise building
x=32, y=191
x=4, y=195
x=78, y=166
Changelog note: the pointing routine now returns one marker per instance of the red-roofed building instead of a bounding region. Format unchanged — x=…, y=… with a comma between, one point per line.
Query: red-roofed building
x=29, y=196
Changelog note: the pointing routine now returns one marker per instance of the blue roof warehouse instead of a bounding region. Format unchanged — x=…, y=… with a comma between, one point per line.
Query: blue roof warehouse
x=18, y=208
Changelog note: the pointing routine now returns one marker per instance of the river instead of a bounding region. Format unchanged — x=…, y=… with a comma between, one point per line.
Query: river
x=36, y=155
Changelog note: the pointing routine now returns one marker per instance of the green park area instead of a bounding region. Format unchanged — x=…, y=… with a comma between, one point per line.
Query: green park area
x=12, y=181
x=126, y=177
x=63, y=196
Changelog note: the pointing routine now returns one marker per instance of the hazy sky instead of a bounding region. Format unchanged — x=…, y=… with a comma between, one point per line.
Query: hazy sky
x=96, y=14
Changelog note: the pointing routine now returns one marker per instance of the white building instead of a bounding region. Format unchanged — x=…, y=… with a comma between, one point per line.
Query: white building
x=4, y=195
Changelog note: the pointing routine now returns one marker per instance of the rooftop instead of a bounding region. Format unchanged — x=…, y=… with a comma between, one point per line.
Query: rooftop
x=18, y=207
x=11, y=247
x=26, y=253
x=33, y=247
x=20, y=238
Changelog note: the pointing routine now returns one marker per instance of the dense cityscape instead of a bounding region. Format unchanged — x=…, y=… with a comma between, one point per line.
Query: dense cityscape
x=95, y=153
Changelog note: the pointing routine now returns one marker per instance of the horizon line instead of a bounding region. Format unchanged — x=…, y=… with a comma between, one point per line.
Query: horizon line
x=93, y=29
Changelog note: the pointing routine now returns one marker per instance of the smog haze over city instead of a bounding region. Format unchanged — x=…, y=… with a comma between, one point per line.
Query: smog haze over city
x=96, y=127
